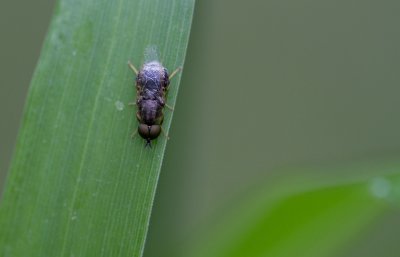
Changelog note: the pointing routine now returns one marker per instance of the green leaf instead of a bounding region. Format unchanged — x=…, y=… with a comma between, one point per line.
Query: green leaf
x=301, y=217
x=78, y=184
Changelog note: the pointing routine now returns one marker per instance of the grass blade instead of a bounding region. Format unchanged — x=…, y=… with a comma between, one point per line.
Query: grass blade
x=78, y=185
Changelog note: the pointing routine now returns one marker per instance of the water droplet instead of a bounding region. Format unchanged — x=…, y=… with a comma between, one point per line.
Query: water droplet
x=119, y=105
x=380, y=187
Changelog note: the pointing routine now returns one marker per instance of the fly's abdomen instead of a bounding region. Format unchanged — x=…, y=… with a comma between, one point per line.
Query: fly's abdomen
x=153, y=77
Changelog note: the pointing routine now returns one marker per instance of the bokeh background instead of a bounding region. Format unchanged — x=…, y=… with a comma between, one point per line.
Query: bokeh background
x=269, y=88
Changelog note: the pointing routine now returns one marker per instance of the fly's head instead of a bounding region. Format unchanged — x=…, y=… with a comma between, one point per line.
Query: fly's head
x=149, y=132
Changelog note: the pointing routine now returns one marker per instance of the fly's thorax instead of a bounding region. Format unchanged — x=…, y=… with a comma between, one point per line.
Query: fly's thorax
x=150, y=111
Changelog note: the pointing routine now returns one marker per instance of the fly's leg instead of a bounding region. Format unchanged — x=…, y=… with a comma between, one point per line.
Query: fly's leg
x=169, y=107
x=175, y=72
x=164, y=133
x=170, y=77
x=133, y=68
x=134, y=133
x=138, y=117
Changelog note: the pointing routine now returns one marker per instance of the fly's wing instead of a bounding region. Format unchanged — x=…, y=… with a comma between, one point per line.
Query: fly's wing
x=150, y=54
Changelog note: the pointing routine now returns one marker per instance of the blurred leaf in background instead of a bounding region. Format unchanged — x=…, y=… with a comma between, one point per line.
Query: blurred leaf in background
x=300, y=216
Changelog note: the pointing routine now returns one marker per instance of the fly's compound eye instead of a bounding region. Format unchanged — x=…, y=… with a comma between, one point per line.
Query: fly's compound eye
x=149, y=132
x=155, y=131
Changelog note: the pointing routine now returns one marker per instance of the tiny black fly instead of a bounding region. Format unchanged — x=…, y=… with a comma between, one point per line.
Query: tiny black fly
x=152, y=82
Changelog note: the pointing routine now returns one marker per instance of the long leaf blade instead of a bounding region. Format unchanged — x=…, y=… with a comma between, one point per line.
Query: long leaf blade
x=78, y=185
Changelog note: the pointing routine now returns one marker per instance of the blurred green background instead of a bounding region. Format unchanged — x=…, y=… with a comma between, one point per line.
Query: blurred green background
x=271, y=91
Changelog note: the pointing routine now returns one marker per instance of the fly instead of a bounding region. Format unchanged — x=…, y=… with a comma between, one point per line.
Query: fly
x=152, y=82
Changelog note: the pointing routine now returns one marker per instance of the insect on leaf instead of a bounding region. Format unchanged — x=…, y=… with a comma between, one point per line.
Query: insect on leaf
x=78, y=184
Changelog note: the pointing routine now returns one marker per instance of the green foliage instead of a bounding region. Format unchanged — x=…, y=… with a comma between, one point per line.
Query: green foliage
x=304, y=216
x=78, y=185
